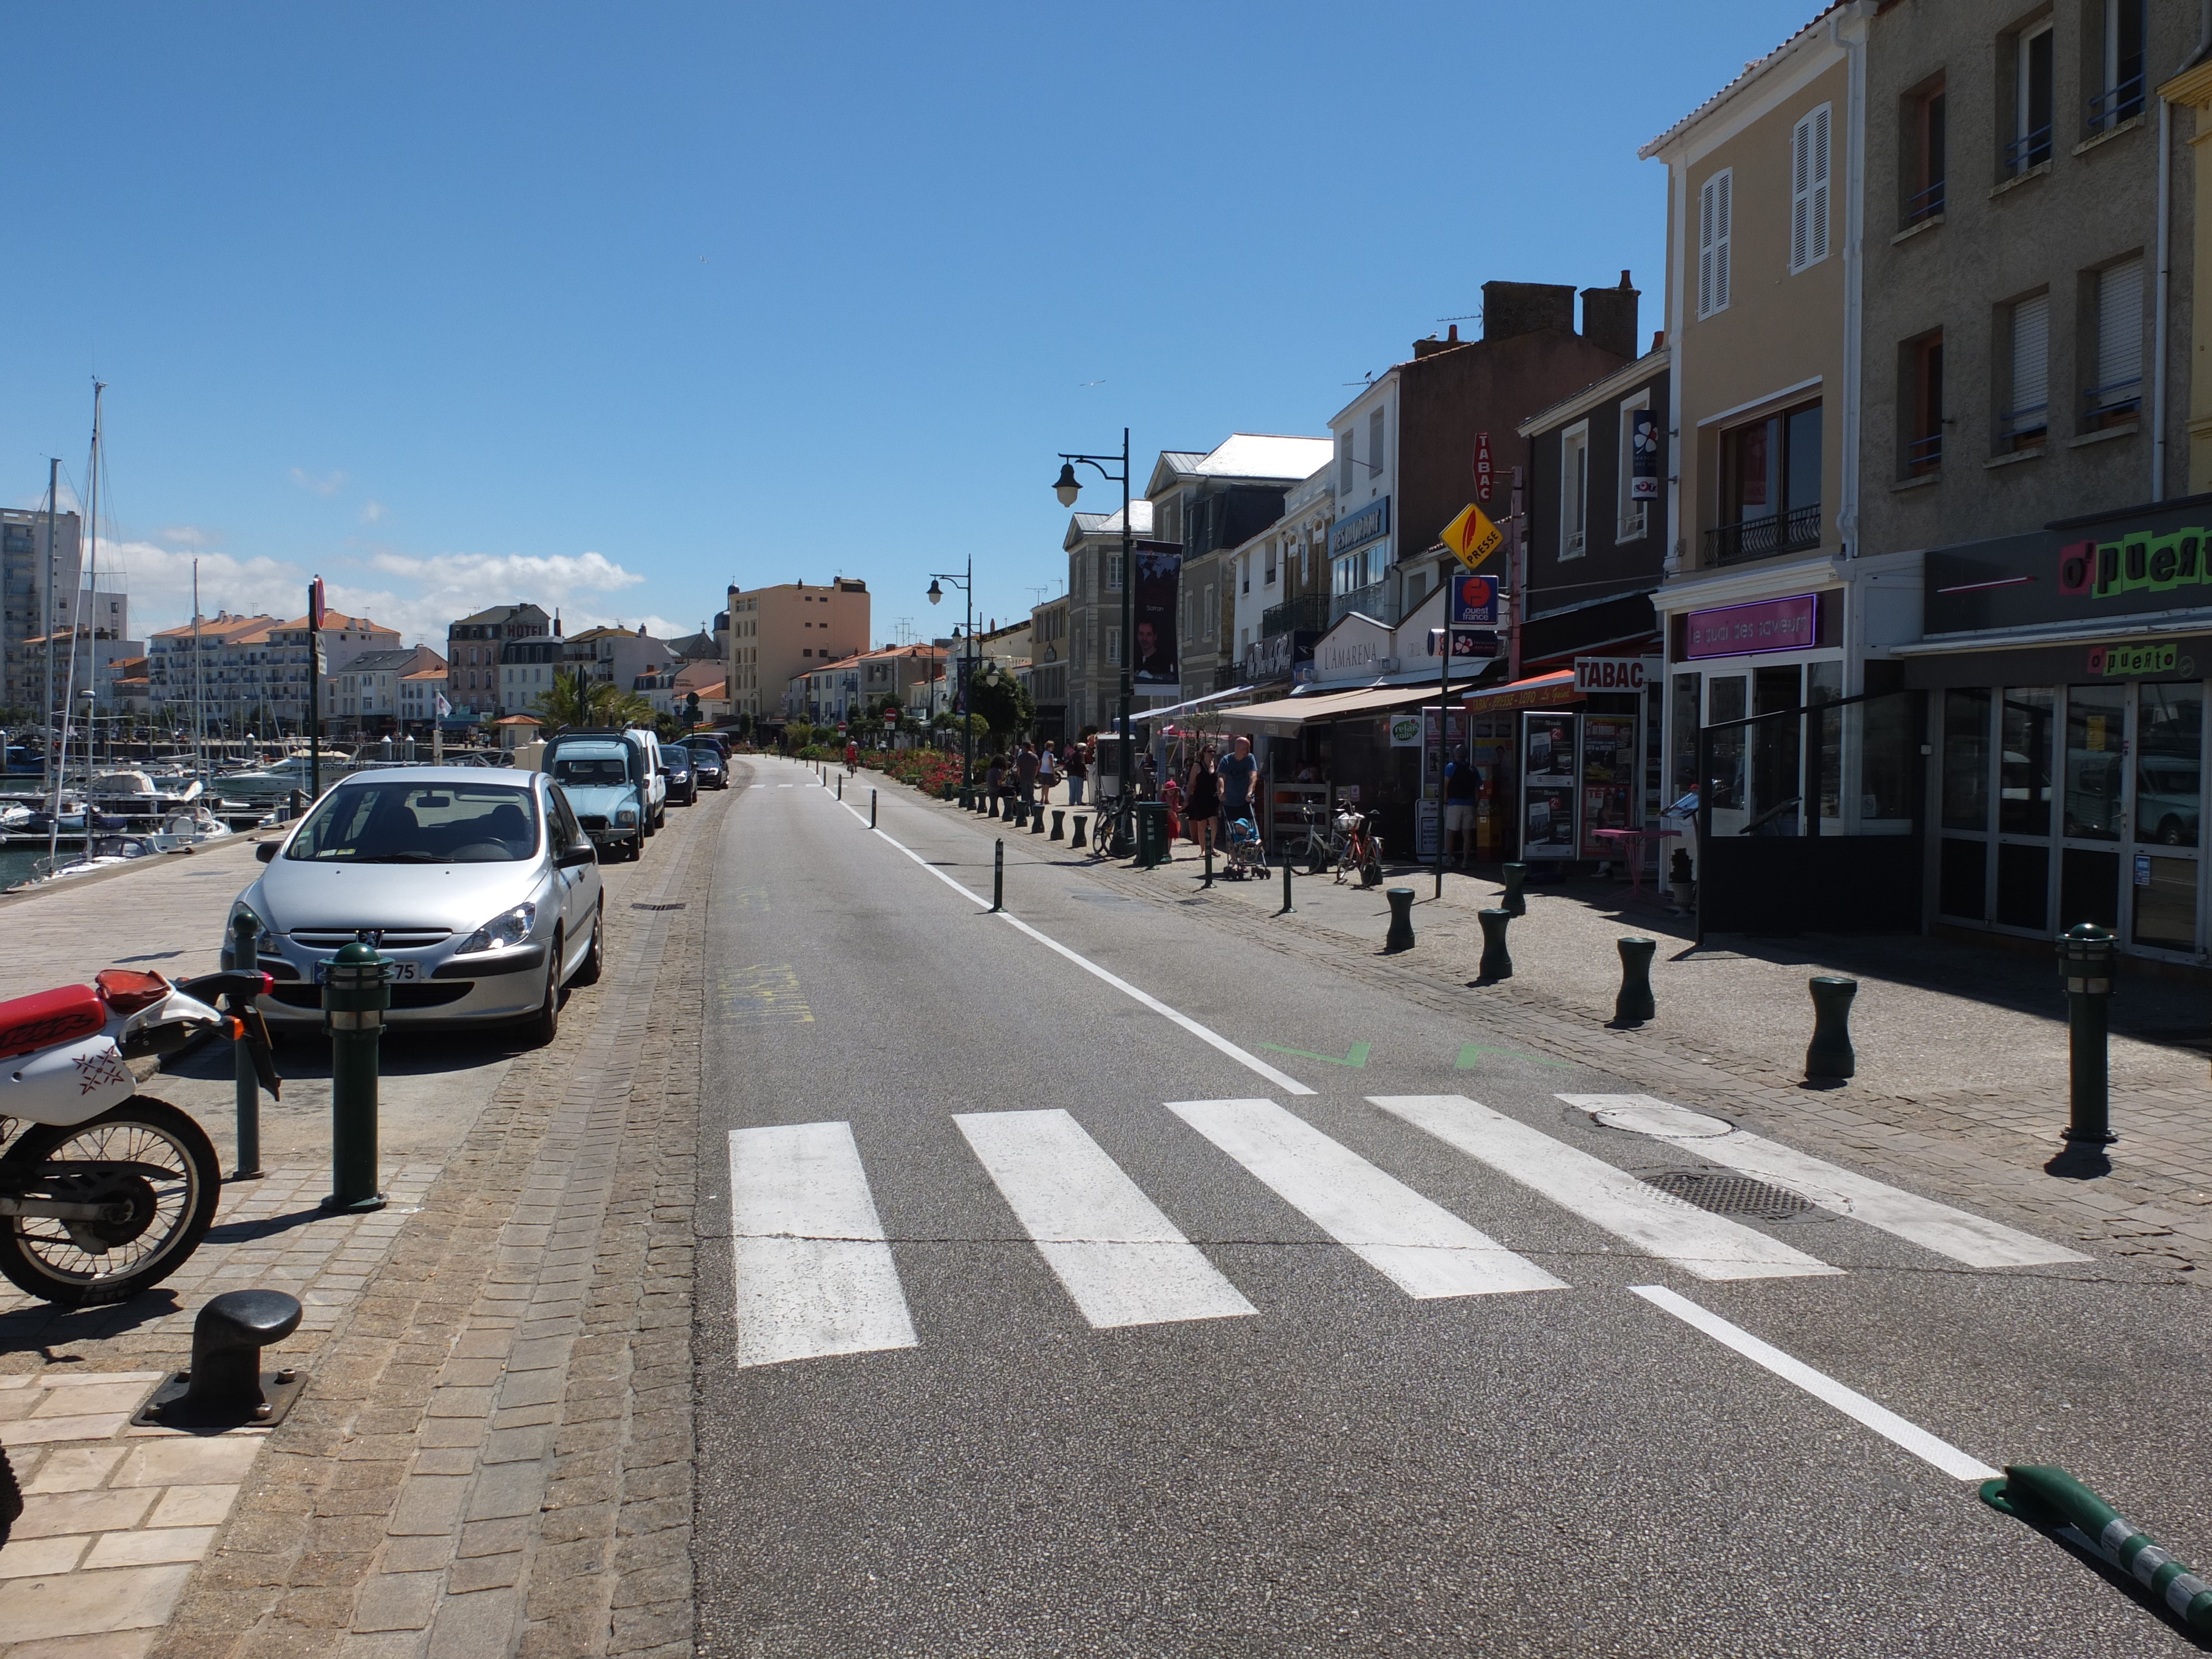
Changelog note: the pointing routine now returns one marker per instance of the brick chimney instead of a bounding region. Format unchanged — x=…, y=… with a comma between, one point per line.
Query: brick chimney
x=1609, y=318
x=1429, y=347
x=1511, y=308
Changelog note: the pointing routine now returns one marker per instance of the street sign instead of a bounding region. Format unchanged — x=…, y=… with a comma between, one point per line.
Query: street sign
x=1483, y=475
x=1475, y=602
x=1472, y=536
x=1616, y=673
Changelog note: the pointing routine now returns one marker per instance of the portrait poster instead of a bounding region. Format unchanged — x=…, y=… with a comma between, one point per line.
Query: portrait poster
x=1158, y=601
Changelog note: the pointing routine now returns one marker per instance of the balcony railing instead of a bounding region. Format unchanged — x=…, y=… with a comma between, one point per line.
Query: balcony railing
x=2024, y=429
x=1926, y=205
x=2032, y=149
x=2108, y=109
x=1307, y=610
x=1923, y=455
x=1228, y=678
x=1372, y=601
x=2110, y=405
x=1796, y=530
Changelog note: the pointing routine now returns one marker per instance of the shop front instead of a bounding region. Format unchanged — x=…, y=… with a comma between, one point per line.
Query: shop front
x=1569, y=760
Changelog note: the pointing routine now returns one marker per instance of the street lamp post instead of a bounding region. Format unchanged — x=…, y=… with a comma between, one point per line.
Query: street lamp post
x=966, y=584
x=1067, y=488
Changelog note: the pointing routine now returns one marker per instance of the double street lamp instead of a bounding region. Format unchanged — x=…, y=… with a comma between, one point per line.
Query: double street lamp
x=966, y=584
x=1067, y=488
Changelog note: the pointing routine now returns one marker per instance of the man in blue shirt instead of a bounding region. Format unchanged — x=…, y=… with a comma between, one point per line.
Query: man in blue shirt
x=1238, y=773
x=1462, y=788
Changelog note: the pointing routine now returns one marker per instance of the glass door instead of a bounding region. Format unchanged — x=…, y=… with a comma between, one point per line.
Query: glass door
x=2094, y=807
x=2162, y=848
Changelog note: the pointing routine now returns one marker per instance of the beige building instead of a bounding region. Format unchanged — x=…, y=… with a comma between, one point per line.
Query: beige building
x=1049, y=642
x=778, y=633
x=1093, y=546
x=2187, y=103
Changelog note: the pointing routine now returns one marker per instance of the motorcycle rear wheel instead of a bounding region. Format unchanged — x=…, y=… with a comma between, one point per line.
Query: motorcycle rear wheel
x=172, y=1181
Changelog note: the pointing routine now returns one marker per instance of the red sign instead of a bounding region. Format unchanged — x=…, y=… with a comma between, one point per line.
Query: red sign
x=315, y=603
x=1482, y=467
x=1742, y=630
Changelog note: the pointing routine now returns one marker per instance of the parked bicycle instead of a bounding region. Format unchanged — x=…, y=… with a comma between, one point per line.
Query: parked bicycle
x=1359, y=848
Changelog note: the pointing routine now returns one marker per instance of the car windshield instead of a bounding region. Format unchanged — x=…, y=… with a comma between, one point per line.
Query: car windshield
x=590, y=771
x=396, y=821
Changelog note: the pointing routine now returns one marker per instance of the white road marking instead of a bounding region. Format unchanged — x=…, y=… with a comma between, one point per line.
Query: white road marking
x=1849, y=1401
x=1709, y=1246
x=1421, y=1248
x=1288, y=1085
x=814, y=1275
x=1123, y=1261
x=1971, y=1239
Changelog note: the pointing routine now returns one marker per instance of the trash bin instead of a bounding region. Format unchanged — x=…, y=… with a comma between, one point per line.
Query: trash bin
x=1152, y=833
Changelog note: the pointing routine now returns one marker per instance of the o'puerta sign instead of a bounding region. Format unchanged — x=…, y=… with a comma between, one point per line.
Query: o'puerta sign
x=1742, y=630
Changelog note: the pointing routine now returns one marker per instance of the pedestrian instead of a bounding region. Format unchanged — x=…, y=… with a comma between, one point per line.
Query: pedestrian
x=995, y=778
x=1171, y=792
x=1238, y=773
x=1205, y=798
x=1025, y=772
x=1047, y=774
x=1462, y=788
x=852, y=756
x=1079, y=772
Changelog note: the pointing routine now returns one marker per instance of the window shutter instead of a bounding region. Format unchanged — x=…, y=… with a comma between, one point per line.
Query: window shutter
x=1705, y=249
x=2031, y=353
x=1374, y=440
x=1801, y=184
x=2119, y=326
x=1817, y=208
x=1713, y=245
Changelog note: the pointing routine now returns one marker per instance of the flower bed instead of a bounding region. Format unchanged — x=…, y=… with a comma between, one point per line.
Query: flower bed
x=929, y=770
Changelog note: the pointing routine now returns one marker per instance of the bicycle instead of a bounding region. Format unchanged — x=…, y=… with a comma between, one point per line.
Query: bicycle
x=1359, y=848
x=1103, y=813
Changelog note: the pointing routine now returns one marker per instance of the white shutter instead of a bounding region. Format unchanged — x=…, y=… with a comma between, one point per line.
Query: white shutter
x=1808, y=188
x=1724, y=216
x=2119, y=326
x=2031, y=353
x=1801, y=171
x=1817, y=242
x=1713, y=245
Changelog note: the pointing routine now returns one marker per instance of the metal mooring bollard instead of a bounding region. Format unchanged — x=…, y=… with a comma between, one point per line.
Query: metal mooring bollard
x=1287, y=906
x=1635, y=1003
x=354, y=998
x=871, y=809
x=1515, y=904
x=2086, y=956
x=245, y=956
x=1830, y=1054
x=999, y=877
x=1401, y=936
x=1496, y=961
x=1059, y=824
x=225, y=1387
x=1077, y=839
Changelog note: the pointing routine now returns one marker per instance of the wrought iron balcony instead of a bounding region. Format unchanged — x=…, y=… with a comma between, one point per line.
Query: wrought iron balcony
x=1797, y=531
x=1372, y=601
x=1307, y=610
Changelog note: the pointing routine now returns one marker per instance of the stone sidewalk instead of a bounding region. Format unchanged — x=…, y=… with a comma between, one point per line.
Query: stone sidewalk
x=493, y=1452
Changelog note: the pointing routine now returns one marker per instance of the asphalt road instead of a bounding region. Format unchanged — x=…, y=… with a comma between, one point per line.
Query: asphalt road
x=1023, y=1360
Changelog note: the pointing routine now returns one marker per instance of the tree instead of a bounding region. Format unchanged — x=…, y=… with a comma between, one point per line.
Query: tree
x=1005, y=707
x=573, y=701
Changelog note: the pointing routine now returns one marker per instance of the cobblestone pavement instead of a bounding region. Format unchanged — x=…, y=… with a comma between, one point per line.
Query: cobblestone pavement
x=1962, y=1082
x=494, y=1451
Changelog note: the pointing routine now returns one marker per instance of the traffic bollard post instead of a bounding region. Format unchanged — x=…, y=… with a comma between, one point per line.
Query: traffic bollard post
x=1077, y=840
x=1206, y=852
x=1635, y=1003
x=1287, y=906
x=1514, y=903
x=245, y=956
x=2045, y=1495
x=1037, y=819
x=994, y=806
x=1830, y=1056
x=1496, y=961
x=998, y=877
x=871, y=809
x=1401, y=936
x=1059, y=824
x=840, y=786
x=354, y=998
x=2087, y=956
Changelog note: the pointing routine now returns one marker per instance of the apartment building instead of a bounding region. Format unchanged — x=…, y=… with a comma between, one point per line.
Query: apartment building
x=775, y=633
x=617, y=656
x=26, y=571
x=1293, y=589
x=1048, y=667
x=364, y=696
x=252, y=672
x=419, y=693
x=527, y=669
x=1093, y=546
x=473, y=647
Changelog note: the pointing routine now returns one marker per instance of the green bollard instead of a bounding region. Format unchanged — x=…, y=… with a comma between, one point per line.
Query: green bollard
x=1515, y=903
x=1830, y=1056
x=1496, y=961
x=2087, y=956
x=1635, y=1004
x=245, y=956
x=1287, y=909
x=1207, y=853
x=1059, y=824
x=871, y=809
x=999, y=877
x=1077, y=840
x=354, y=1001
x=1401, y=936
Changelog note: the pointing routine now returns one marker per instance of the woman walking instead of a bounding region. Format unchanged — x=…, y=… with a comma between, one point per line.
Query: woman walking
x=1204, y=797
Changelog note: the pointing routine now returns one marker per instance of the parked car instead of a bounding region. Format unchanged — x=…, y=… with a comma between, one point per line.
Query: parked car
x=683, y=781
x=707, y=766
x=603, y=779
x=480, y=886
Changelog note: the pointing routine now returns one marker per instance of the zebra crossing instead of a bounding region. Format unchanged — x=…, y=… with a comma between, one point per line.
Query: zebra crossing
x=816, y=1276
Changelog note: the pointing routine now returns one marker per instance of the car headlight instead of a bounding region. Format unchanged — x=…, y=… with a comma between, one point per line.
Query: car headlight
x=241, y=907
x=628, y=816
x=502, y=932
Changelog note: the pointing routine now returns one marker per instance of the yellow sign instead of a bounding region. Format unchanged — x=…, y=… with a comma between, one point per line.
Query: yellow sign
x=1472, y=536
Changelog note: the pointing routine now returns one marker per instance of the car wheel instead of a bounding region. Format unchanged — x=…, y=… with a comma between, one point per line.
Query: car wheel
x=595, y=958
x=545, y=1025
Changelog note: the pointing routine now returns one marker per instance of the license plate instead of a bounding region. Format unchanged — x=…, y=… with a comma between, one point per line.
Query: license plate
x=403, y=973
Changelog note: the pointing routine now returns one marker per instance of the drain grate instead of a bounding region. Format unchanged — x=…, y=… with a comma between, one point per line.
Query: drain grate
x=678, y=905
x=1729, y=1194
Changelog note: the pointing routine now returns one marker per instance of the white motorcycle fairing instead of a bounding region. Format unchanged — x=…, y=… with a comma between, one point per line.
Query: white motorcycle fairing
x=67, y=1084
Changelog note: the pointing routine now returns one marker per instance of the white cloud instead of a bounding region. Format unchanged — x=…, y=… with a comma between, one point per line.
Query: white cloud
x=191, y=535
x=329, y=485
x=371, y=512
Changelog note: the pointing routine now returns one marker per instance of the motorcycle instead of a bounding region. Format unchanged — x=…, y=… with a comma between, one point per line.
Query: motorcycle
x=105, y=1192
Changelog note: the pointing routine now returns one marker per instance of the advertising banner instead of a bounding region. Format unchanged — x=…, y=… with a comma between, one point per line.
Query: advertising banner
x=1643, y=456
x=1742, y=630
x=1547, y=786
x=1475, y=602
x=1158, y=601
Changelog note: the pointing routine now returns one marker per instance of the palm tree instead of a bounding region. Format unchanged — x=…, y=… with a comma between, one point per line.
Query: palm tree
x=574, y=702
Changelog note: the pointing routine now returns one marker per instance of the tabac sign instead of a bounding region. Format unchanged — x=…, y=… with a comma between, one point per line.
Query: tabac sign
x=2122, y=565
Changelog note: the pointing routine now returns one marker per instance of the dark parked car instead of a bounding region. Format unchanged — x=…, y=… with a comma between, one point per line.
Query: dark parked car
x=683, y=781
x=707, y=765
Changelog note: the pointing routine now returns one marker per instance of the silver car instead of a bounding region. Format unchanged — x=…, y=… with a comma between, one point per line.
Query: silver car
x=480, y=885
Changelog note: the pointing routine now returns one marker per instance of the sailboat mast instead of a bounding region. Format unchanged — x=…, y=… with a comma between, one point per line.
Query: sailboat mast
x=199, y=764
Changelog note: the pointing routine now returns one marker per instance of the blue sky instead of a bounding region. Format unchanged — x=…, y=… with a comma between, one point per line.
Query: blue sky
x=609, y=305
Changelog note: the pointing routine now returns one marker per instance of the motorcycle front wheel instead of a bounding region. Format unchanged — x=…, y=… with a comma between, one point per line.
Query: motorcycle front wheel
x=145, y=1153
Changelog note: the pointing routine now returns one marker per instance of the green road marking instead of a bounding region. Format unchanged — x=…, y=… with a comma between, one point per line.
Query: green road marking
x=1355, y=1056
x=1468, y=1051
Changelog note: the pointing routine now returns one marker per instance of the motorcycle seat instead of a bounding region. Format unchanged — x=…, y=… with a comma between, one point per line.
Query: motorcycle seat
x=126, y=990
x=41, y=1020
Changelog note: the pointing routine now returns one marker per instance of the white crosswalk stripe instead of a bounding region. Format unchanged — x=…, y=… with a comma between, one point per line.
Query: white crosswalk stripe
x=1973, y=1239
x=1420, y=1246
x=1709, y=1245
x=1121, y=1259
x=814, y=1273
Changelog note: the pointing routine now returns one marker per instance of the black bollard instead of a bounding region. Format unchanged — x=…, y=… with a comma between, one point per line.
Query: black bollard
x=1287, y=906
x=840, y=786
x=871, y=809
x=1401, y=936
x=998, y=876
x=1059, y=824
x=1515, y=904
x=1077, y=839
x=1496, y=961
x=1829, y=1056
x=994, y=806
x=1635, y=1004
x=1037, y=819
x=246, y=955
x=2087, y=956
x=225, y=1387
x=1207, y=853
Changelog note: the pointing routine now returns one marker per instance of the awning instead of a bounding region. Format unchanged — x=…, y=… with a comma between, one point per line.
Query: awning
x=1137, y=716
x=1289, y=713
x=1542, y=691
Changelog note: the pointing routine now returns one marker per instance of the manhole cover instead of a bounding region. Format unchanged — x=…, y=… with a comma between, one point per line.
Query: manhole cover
x=1729, y=1194
x=678, y=905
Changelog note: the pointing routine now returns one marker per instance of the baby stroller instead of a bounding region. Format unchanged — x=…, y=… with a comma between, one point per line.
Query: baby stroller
x=1247, y=857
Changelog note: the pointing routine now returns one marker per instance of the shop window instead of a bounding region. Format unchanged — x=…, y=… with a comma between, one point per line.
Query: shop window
x=2024, y=743
x=1922, y=148
x=2164, y=903
x=2026, y=419
x=1682, y=721
x=1770, y=487
x=2023, y=885
x=1966, y=759
x=1574, y=491
x=1962, y=879
x=2029, y=145
x=2114, y=392
x=1824, y=683
x=2096, y=718
x=1920, y=401
x=1725, y=698
x=2115, y=57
